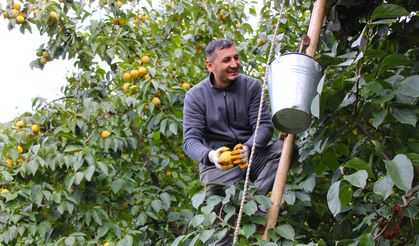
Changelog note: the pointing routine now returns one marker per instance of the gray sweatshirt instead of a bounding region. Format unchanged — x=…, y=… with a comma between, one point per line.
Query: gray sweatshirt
x=213, y=118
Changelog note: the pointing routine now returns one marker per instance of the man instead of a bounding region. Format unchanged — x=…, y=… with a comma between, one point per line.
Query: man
x=220, y=114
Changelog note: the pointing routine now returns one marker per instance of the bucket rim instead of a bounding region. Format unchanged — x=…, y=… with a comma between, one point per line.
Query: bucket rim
x=297, y=53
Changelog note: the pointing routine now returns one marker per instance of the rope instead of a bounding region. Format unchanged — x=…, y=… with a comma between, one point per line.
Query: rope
x=262, y=97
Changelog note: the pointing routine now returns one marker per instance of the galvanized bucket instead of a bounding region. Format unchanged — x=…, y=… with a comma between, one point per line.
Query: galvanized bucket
x=292, y=82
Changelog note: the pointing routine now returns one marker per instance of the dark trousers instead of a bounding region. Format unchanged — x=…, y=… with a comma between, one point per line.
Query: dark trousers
x=262, y=174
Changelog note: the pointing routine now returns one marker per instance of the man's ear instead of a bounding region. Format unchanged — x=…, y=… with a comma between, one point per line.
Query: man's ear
x=209, y=65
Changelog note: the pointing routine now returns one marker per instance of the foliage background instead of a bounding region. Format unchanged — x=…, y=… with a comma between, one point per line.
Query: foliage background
x=356, y=180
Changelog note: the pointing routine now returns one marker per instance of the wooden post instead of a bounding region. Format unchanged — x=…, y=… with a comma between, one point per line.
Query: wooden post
x=313, y=33
x=279, y=184
x=316, y=20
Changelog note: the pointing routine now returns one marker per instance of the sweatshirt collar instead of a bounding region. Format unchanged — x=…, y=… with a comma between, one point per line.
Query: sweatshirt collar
x=211, y=82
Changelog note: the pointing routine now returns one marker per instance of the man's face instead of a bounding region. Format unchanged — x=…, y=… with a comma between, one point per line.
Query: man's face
x=225, y=65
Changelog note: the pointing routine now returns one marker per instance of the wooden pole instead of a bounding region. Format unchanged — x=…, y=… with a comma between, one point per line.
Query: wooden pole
x=313, y=33
x=316, y=21
x=279, y=184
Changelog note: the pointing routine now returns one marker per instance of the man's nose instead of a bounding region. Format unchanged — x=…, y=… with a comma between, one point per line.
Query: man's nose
x=234, y=63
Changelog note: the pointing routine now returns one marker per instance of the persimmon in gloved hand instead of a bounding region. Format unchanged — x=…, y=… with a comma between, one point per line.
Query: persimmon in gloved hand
x=240, y=155
x=221, y=158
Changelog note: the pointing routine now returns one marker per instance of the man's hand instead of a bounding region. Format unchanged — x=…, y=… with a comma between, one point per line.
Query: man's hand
x=240, y=155
x=220, y=162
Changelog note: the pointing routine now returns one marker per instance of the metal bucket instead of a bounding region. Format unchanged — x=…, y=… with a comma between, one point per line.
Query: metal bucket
x=292, y=82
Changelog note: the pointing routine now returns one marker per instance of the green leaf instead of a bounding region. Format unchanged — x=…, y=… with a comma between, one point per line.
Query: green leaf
x=341, y=149
x=69, y=181
x=207, y=209
x=404, y=115
x=173, y=128
x=90, y=159
x=286, y=231
x=32, y=166
x=409, y=86
x=378, y=118
x=309, y=183
x=77, y=164
x=414, y=158
x=289, y=197
x=35, y=149
x=372, y=88
x=163, y=124
x=384, y=99
x=388, y=11
x=111, y=52
x=156, y=136
x=395, y=60
x=214, y=200
x=221, y=233
x=69, y=206
x=13, y=152
x=209, y=219
x=166, y=199
x=88, y=174
x=366, y=239
x=102, y=231
x=248, y=230
x=259, y=220
x=359, y=40
x=103, y=168
x=142, y=219
x=61, y=208
x=198, y=199
x=302, y=196
x=359, y=164
x=70, y=241
x=384, y=187
x=330, y=159
x=173, y=216
x=394, y=79
x=12, y=231
x=9, y=196
x=178, y=240
x=72, y=148
x=401, y=172
x=263, y=200
x=96, y=217
x=117, y=185
x=345, y=193
x=315, y=106
x=194, y=240
x=197, y=220
x=78, y=177
x=178, y=53
x=250, y=208
x=156, y=205
x=44, y=227
x=128, y=240
x=333, y=201
x=205, y=235
x=6, y=175
x=358, y=179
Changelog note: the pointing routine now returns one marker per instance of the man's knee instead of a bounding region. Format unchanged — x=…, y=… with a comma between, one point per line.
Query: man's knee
x=278, y=147
x=214, y=190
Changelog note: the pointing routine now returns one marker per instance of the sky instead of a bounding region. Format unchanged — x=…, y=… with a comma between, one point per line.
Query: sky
x=19, y=84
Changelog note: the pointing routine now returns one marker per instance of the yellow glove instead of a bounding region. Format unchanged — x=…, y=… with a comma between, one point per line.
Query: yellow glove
x=240, y=155
x=221, y=158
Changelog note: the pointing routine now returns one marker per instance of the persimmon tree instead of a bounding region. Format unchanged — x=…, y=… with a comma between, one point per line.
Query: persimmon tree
x=105, y=162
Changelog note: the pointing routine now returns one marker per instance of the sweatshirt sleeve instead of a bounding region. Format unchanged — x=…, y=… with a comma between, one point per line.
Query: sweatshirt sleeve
x=265, y=126
x=193, y=129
